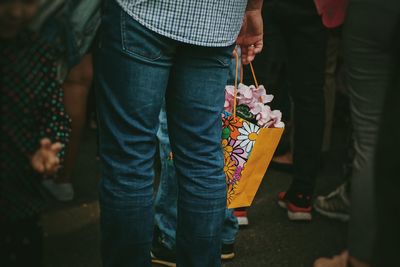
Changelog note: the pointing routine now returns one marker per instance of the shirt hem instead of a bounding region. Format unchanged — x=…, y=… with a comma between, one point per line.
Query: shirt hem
x=176, y=37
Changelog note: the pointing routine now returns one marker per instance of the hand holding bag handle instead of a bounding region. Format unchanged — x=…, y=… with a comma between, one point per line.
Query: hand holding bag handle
x=241, y=79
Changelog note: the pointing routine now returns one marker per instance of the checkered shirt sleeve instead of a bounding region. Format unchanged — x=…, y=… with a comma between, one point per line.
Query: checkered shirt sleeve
x=211, y=23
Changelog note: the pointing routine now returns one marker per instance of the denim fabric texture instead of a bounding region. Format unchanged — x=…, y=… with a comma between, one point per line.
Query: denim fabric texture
x=135, y=70
x=166, y=198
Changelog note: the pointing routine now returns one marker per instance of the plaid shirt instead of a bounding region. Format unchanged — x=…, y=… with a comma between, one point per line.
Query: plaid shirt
x=211, y=23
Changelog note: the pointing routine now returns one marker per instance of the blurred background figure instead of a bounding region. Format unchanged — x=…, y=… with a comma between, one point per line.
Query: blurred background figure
x=292, y=66
x=72, y=26
x=34, y=130
x=386, y=184
x=371, y=42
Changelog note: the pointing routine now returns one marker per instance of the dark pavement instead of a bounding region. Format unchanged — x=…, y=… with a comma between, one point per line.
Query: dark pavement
x=271, y=240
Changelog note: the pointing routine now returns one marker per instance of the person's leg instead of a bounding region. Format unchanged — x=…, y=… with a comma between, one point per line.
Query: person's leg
x=132, y=68
x=76, y=91
x=195, y=100
x=369, y=50
x=306, y=39
x=332, y=56
x=270, y=67
x=386, y=184
x=307, y=55
x=371, y=41
x=229, y=232
x=166, y=206
x=167, y=193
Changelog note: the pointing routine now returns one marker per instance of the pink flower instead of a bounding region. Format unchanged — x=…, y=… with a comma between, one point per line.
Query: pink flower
x=229, y=98
x=244, y=95
x=276, y=117
x=256, y=99
x=260, y=94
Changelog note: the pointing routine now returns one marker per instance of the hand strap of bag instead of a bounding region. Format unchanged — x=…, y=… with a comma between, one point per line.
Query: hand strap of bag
x=241, y=79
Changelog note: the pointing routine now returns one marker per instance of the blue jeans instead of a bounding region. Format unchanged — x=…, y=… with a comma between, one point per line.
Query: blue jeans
x=166, y=198
x=134, y=67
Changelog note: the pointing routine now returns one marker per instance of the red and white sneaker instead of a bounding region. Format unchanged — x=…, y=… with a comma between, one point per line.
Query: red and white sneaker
x=298, y=206
x=241, y=215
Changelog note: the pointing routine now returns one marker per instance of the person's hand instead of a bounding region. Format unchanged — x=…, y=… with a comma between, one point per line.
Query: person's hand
x=45, y=159
x=250, y=38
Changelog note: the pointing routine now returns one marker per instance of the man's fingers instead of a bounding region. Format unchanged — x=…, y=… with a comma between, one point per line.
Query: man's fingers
x=251, y=53
x=258, y=47
x=248, y=55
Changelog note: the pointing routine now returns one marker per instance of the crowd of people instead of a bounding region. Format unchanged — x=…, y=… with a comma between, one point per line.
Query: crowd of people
x=158, y=70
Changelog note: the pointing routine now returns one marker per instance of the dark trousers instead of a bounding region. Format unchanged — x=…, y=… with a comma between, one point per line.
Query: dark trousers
x=387, y=182
x=370, y=46
x=21, y=243
x=295, y=36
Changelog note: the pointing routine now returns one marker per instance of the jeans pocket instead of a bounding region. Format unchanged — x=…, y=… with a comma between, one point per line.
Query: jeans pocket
x=135, y=39
x=224, y=57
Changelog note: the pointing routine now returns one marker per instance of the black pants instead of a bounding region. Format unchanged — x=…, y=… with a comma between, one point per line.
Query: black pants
x=21, y=243
x=295, y=36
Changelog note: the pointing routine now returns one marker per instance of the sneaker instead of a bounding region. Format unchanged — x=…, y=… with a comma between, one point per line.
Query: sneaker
x=241, y=215
x=160, y=253
x=298, y=206
x=227, y=251
x=336, y=205
x=61, y=192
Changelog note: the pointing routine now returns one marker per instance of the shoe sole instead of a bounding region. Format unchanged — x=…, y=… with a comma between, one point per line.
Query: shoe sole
x=224, y=257
x=295, y=216
x=227, y=256
x=161, y=262
x=243, y=221
x=333, y=215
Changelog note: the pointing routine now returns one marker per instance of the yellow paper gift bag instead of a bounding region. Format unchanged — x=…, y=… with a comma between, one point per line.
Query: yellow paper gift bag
x=248, y=150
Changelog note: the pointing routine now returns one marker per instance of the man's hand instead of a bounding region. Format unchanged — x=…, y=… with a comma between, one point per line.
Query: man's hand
x=250, y=38
x=45, y=159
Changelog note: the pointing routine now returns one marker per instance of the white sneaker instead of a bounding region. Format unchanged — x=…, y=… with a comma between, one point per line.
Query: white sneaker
x=62, y=191
x=241, y=215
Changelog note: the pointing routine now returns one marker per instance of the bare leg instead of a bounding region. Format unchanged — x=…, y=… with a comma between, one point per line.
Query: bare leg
x=76, y=90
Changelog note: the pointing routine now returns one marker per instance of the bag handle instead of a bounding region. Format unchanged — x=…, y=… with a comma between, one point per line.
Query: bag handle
x=241, y=79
